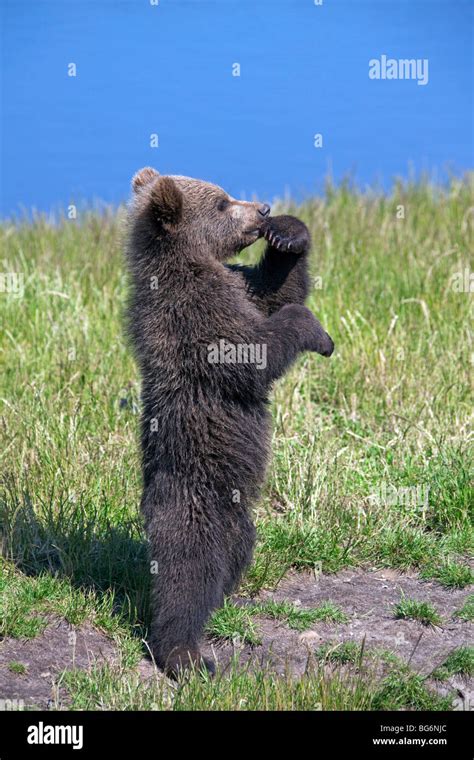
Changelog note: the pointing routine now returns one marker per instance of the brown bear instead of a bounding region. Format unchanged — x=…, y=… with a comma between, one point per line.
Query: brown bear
x=209, y=339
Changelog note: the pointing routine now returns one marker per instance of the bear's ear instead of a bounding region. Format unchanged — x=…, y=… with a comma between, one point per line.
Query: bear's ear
x=143, y=177
x=167, y=200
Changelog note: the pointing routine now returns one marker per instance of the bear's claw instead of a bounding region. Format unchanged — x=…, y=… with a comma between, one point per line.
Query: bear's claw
x=286, y=233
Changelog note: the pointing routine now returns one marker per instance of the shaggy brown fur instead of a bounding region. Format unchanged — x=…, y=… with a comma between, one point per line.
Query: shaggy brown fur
x=205, y=426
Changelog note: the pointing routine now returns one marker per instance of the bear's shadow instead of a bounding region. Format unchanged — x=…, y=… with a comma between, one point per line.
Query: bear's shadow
x=106, y=559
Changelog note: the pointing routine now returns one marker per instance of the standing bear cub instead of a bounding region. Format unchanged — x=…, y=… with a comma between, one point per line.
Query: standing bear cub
x=205, y=428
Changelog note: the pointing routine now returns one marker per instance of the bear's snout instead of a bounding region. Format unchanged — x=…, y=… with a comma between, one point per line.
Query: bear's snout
x=264, y=209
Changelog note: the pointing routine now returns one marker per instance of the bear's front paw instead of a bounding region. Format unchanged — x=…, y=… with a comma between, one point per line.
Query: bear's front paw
x=286, y=233
x=311, y=334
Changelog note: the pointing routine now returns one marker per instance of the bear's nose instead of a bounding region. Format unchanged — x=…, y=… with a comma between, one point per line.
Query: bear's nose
x=264, y=209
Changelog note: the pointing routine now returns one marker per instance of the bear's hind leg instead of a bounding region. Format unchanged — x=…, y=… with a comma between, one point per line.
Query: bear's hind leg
x=242, y=540
x=187, y=587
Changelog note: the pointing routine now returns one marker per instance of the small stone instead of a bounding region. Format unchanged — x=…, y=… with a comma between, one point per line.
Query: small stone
x=309, y=637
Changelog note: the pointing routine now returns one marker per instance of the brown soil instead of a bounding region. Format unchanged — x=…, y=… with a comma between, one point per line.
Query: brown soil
x=367, y=598
x=60, y=647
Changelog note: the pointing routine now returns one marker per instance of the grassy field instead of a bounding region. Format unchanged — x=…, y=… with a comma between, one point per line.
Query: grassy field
x=371, y=463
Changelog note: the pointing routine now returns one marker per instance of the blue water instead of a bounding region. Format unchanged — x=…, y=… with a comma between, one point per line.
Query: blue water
x=167, y=69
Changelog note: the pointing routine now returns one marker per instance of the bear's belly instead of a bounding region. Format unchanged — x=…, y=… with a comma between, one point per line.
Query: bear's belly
x=222, y=448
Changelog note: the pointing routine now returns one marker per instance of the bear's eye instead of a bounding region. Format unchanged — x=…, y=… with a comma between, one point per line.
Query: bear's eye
x=222, y=204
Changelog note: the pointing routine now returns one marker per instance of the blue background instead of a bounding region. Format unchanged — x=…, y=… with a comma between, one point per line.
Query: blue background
x=167, y=69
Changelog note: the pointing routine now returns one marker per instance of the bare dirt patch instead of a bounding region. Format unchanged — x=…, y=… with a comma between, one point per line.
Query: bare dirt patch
x=367, y=598
x=60, y=647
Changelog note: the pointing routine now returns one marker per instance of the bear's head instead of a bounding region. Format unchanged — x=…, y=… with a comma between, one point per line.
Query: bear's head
x=195, y=214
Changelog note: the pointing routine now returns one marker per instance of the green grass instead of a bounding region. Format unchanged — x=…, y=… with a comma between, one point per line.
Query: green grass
x=412, y=609
x=398, y=689
x=451, y=574
x=349, y=684
x=298, y=618
x=459, y=662
x=404, y=690
x=240, y=623
x=17, y=667
x=29, y=604
x=343, y=653
x=239, y=688
x=467, y=610
x=235, y=624
x=387, y=414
